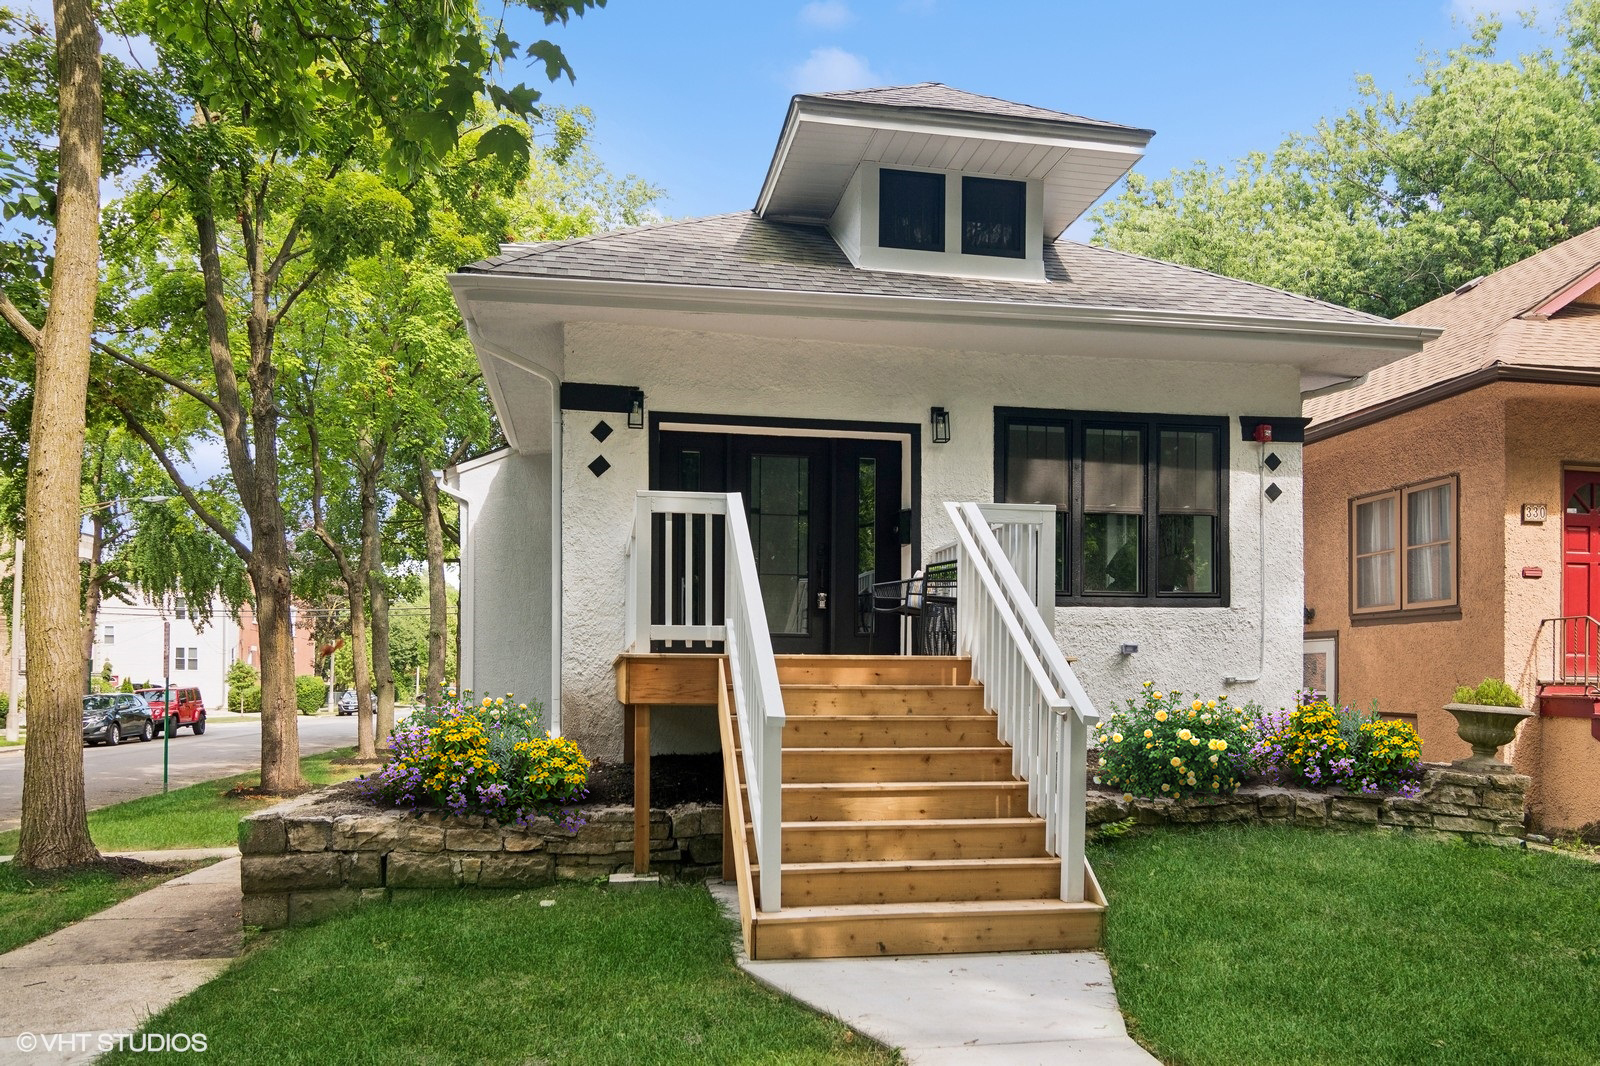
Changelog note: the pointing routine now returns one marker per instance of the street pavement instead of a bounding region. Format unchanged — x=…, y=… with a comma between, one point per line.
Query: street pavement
x=132, y=769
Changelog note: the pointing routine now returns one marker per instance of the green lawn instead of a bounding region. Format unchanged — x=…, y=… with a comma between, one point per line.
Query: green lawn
x=199, y=816
x=600, y=977
x=1270, y=946
x=33, y=905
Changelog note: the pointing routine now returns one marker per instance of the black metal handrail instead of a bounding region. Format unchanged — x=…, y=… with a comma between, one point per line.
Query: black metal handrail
x=1574, y=650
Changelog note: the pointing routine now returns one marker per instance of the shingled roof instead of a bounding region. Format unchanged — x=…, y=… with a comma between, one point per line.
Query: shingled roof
x=1506, y=322
x=936, y=96
x=741, y=251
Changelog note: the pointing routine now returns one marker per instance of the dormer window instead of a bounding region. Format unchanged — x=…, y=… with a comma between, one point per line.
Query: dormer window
x=911, y=210
x=994, y=217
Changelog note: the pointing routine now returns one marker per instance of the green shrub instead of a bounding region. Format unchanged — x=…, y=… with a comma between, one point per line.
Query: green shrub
x=1167, y=746
x=248, y=700
x=5, y=706
x=310, y=693
x=126, y=686
x=1492, y=692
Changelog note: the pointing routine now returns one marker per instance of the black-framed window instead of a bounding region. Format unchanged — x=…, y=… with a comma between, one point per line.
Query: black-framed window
x=994, y=215
x=911, y=210
x=1140, y=501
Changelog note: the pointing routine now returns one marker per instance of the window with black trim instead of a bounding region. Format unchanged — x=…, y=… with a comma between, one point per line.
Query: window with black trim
x=1403, y=546
x=911, y=210
x=994, y=215
x=1140, y=501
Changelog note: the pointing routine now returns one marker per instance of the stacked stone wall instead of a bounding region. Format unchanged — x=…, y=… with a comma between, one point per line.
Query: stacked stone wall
x=321, y=854
x=1454, y=804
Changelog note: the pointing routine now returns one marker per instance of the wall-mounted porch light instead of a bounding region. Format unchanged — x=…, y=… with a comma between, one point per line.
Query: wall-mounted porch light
x=636, y=410
x=941, y=425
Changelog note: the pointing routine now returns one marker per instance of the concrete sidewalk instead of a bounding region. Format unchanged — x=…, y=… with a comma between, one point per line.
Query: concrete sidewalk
x=108, y=973
x=965, y=1010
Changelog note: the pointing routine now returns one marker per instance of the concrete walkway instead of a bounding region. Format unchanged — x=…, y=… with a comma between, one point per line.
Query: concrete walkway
x=965, y=1010
x=70, y=994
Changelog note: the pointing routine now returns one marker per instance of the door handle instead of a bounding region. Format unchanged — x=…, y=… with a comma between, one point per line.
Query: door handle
x=822, y=601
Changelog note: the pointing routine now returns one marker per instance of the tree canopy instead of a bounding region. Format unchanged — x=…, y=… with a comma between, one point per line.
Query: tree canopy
x=1404, y=196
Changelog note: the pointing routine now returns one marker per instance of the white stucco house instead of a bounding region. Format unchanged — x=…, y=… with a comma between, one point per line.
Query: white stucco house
x=894, y=325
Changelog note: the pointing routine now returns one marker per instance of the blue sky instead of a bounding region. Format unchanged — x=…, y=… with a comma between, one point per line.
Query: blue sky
x=691, y=96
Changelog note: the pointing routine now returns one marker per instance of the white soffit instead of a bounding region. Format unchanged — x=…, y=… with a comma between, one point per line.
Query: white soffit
x=819, y=152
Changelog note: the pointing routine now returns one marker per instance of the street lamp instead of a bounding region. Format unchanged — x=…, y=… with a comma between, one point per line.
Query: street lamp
x=14, y=712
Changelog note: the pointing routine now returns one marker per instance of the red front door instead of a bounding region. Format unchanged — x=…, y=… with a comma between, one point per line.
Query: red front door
x=1580, y=573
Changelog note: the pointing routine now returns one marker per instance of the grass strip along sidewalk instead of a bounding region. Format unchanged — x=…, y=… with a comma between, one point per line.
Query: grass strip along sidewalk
x=1283, y=946
x=597, y=977
x=199, y=816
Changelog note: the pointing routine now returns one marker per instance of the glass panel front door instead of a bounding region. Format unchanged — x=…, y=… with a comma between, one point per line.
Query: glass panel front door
x=780, y=531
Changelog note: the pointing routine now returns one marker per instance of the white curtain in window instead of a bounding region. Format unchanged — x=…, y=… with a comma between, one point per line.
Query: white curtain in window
x=1429, y=566
x=1375, y=577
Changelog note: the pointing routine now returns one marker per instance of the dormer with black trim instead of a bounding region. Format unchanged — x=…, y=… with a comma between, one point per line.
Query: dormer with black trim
x=926, y=179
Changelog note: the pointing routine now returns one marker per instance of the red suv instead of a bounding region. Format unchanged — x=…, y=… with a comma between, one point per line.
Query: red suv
x=188, y=709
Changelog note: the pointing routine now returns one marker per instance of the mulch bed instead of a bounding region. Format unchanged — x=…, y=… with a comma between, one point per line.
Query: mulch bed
x=117, y=866
x=674, y=780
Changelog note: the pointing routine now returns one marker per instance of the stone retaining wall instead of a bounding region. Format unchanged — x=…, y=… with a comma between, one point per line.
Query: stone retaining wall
x=1455, y=804
x=323, y=853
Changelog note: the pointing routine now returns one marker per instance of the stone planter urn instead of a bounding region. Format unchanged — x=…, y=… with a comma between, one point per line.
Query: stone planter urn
x=1487, y=729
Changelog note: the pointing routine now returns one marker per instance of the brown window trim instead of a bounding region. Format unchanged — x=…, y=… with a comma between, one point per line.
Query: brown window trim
x=1403, y=608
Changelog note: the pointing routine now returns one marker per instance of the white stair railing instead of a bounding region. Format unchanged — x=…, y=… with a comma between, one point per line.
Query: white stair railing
x=673, y=596
x=1043, y=711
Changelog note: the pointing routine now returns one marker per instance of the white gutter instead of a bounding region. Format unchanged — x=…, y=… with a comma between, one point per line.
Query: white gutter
x=465, y=600
x=707, y=299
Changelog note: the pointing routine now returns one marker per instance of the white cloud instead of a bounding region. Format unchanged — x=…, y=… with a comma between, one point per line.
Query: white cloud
x=832, y=68
x=826, y=15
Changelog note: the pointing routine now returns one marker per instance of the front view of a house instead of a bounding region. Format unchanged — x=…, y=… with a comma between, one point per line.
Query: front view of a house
x=894, y=328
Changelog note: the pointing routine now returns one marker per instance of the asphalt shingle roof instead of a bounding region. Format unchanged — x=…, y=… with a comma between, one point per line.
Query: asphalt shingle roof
x=935, y=96
x=1489, y=324
x=741, y=251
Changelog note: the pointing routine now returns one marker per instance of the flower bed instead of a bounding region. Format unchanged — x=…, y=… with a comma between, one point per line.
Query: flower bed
x=487, y=757
x=1164, y=746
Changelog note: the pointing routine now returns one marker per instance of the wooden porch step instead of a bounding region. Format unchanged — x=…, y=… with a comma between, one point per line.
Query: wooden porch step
x=887, y=700
x=925, y=839
x=816, y=884
x=888, y=731
x=829, y=765
x=896, y=801
x=842, y=931
x=874, y=670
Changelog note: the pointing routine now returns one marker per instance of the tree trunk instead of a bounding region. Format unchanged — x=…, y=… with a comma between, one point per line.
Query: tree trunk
x=377, y=591
x=365, y=748
x=93, y=593
x=438, y=601
x=55, y=822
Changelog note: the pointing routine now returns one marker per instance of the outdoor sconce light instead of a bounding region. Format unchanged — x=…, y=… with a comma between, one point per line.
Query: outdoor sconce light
x=636, y=410
x=1129, y=649
x=941, y=425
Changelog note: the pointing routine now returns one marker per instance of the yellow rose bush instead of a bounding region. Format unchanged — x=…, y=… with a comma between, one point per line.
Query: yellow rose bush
x=486, y=757
x=1163, y=745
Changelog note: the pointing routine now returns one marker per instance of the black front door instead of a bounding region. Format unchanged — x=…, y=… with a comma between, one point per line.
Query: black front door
x=824, y=519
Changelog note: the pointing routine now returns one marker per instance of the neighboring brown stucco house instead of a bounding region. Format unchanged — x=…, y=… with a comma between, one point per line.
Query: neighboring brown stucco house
x=1453, y=506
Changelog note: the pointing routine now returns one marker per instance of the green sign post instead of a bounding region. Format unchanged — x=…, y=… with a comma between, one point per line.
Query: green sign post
x=166, y=716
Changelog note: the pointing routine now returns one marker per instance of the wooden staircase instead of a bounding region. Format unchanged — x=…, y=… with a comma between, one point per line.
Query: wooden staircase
x=903, y=829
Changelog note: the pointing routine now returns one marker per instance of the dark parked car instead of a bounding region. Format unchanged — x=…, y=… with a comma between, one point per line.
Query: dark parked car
x=112, y=717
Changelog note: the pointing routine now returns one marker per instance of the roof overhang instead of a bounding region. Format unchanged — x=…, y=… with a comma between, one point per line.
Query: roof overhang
x=823, y=142
x=502, y=310
x=1440, y=390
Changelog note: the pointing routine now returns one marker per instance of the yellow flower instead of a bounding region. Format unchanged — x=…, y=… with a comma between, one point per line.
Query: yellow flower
x=1212, y=705
x=1116, y=738
x=1148, y=733
x=1184, y=734
x=1198, y=705
x=1164, y=788
x=1147, y=684
x=1127, y=797
x=1195, y=741
x=1176, y=761
x=1161, y=716
x=1213, y=760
